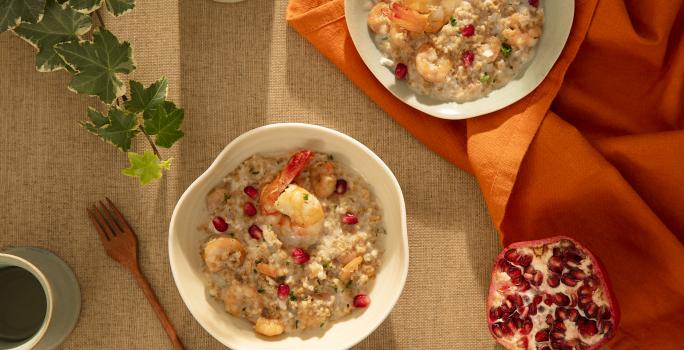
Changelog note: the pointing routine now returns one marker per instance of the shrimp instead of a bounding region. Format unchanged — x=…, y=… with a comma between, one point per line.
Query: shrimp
x=223, y=252
x=518, y=34
x=240, y=297
x=350, y=268
x=297, y=213
x=378, y=18
x=430, y=65
x=323, y=179
x=422, y=16
x=269, y=327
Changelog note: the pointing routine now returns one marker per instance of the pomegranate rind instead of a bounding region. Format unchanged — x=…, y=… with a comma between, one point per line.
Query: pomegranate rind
x=598, y=271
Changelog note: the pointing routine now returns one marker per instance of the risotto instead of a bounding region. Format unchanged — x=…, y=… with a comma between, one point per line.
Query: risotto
x=456, y=50
x=291, y=242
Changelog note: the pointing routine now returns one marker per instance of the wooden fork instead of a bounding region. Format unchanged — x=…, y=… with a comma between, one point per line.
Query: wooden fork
x=120, y=242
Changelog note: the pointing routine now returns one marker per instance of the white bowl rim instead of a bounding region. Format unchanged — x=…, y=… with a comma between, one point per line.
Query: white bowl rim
x=225, y=152
x=459, y=111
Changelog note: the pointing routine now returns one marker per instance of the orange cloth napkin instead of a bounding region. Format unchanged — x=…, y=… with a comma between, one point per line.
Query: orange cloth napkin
x=596, y=152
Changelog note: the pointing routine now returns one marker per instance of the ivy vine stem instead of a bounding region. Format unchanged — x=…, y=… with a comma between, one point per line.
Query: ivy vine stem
x=149, y=139
x=99, y=18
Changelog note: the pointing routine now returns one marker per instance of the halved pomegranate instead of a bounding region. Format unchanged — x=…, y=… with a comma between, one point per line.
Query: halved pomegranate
x=550, y=294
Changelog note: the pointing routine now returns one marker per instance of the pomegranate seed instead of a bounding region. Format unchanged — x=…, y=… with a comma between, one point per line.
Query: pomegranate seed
x=350, y=219
x=573, y=300
x=468, y=58
x=493, y=314
x=556, y=264
x=341, y=186
x=553, y=281
x=506, y=331
x=512, y=324
x=300, y=256
x=518, y=280
x=542, y=335
x=584, y=290
x=468, y=30
x=573, y=314
x=523, y=342
x=220, y=224
x=283, y=291
x=525, y=260
x=584, y=301
x=537, y=299
x=400, y=71
x=534, y=3
x=591, y=310
x=587, y=327
x=568, y=280
x=361, y=300
x=251, y=192
x=513, y=272
x=496, y=329
x=249, y=209
x=605, y=312
x=549, y=319
x=538, y=278
x=549, y=299
x=533, y=309
x=526, y=327
x=558, y=325
x=546, y=348
x=511, y=255
x=255, y=232
x=562, y=299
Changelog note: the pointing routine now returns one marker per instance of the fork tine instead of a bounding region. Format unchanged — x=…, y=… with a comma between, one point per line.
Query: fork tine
x=110, y=219
x=120, y=218
x=103, y=222
x=98, y=228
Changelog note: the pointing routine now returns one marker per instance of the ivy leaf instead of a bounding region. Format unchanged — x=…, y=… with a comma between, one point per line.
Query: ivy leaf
x=13, y=12
x=96, y=64
x=120, y=7
x=146, y=167
x=117, y=128
x=85, y=6
x=59, y=24
x=165, y=122
x=147, y=100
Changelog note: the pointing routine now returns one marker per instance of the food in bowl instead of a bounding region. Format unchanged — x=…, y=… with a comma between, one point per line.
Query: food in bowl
x=456, y=50
x=292, y=242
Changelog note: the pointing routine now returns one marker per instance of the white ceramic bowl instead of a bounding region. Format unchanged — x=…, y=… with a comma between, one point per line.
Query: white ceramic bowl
x=558, y=16
x=191, y=211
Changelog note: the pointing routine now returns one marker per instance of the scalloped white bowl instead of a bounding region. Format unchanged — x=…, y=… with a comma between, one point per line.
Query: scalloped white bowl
x=190, y=212
x=558, y=16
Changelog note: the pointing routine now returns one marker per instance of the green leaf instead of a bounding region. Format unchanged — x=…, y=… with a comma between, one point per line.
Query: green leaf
x=85, y=6
x=147, y=100
x=119, y=7
x=146, y=167
x=60, y=24
x=96, y=64
x=165, y=122
x=118, y=127
x=13, y=12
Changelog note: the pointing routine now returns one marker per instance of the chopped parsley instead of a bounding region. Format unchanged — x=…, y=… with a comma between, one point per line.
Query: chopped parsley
x=330, y=156
x=506, y=50
x=296, y=324
x=260, y=290
x=349, y=285
x=292, y=296
x=322, y=325
x=226, y=197
x=484, y=77
x=306, y=196
x=327, y=264
x=257, y=261
x=254, y=172
x=452, y=20
x=335, y=288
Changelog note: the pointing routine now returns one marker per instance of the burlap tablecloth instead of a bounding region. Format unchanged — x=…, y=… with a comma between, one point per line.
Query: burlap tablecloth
x=233, y=68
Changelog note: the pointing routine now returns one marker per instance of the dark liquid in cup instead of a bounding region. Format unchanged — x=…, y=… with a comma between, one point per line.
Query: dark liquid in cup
x=22, y=304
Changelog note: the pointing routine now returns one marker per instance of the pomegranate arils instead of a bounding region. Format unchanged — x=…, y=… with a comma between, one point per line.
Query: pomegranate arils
x=361, y=300
x=468, y=30
x=220, y=224
x=341, y=186
x=468, y=58
x=534, y=3
x=249, y=209
x=550, y=294
x=255, y=232
x=400, y=71
x=300, y=256
x=283, y=291
x=251, y=191
x=350, y=219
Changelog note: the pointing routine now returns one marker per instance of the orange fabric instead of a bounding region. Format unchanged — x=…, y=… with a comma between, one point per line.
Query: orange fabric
x=596, y=152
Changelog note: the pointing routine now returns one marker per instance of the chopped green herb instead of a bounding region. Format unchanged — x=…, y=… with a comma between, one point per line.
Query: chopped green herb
x=322, y=325
x=260, y=290
x=254, y=270
x=347, y=306
x=306, y=196
x=335, y=288
x=349, y=284
x=232, y=234
x=327, y=264
x=226, y=197
x=292, y=296
x=254, y=172
x=452, y=20
x=296, y=324
x=330, y=156
x=506, y=50
x=257, y=261
x=384, y=38
x=484, y=77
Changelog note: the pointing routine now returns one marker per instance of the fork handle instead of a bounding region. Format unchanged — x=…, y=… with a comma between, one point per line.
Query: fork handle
x=152, y=298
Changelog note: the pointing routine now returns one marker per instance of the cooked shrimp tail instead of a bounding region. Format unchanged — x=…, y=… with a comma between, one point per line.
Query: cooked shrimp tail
x=272, y=191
